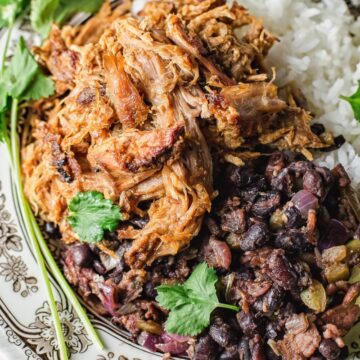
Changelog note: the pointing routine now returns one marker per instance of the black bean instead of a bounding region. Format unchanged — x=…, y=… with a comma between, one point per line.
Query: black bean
x=283, y=182
x=255, y=237
x=149, y=290
x=271, y=331
x=266, y=203
x=82, y=255
x=222, y=333
x=274, y=298
x=313, y=183
x=52, y=230
x=293, y=218
x=242, y=177
x=247, y=323
x=213, y=227
x=99, y=267
x=230, y=353
x=292, y=240
x=280, y=270
x=139, y=222
x=234, y=221
x=299, y=168
x=329, y=349
x=205, y=349
x=317, y=128
x=249, y=195
x=304, y=278
x=256, y=348
x=276, y=163
x=244, y=349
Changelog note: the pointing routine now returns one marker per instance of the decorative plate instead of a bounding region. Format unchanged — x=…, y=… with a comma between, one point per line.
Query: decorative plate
x=26, y=328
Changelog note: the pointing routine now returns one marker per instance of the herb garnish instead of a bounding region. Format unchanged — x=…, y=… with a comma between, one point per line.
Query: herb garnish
x=354, y=101
x=45, y=12
x=191, y=303
x=91, y=215
x=24, y=80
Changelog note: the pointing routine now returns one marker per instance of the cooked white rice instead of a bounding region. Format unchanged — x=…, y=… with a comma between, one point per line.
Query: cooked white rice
x=319, y=49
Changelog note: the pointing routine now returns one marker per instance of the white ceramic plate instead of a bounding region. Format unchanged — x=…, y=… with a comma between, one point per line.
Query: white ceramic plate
x=26, y=329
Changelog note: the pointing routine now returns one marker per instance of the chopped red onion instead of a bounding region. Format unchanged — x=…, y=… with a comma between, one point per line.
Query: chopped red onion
x=336, y=234
x=173, y=343
x=166, y=337
x=148, y=341
x=173, y=347
x=304, y=201
x=108, y=298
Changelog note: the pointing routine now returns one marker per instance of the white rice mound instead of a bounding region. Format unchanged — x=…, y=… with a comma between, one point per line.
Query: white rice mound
x=319, y=50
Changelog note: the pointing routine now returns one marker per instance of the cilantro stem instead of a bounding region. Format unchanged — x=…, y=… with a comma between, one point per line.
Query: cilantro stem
x=5, y=134
x=24, y=207
x=7, y=41
x=69, y=293
x=227, y=306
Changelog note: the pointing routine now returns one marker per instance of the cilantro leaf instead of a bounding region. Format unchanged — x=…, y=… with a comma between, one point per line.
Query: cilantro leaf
x=67, y=8
x=21, y=71
x=23, y=79
x=191, y=303
x=41, y=86
x=45, y=12
x=42, y=15
x=171, y=296
x=91, y=215
x=354, y=101
x=189, y=320
x=202, y=283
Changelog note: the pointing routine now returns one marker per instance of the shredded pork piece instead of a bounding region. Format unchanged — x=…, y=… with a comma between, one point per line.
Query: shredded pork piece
x=133, y=150
x=129, y=106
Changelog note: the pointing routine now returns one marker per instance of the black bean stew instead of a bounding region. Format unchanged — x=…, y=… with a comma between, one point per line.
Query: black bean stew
x=284, y=238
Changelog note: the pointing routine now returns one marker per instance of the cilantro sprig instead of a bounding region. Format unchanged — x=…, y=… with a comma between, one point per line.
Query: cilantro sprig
x=24, y=80
x=191, y=303
x=354, y=101
x=45, y=12
x=91, y=215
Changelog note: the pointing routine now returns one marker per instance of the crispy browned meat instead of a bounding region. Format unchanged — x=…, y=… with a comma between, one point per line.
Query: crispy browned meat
x=61, y=61
x=133, y=150
x=177, y=33
x=122, y=93
x=300, y=343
